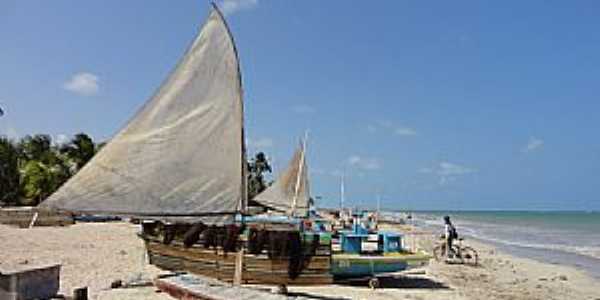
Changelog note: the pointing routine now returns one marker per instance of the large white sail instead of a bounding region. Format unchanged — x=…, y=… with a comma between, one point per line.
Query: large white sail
x=183, y=153
x=290, y=192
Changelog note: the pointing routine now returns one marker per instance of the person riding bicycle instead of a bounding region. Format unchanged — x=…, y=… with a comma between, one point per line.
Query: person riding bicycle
x=450, y=235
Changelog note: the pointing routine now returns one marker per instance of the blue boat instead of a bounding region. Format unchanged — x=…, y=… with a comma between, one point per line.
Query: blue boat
x=365, y=253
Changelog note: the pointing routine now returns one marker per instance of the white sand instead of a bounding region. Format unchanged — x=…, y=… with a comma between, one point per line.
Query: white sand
x=94, y=255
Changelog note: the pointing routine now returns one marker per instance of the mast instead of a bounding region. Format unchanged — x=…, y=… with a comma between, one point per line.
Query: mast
x=243, y=206
x=300, y=171
x=342, y=195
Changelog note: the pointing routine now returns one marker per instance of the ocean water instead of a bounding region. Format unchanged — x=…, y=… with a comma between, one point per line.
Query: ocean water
x=566, y=238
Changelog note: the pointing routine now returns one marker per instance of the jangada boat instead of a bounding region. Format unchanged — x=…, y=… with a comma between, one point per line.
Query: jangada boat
x=180, y=166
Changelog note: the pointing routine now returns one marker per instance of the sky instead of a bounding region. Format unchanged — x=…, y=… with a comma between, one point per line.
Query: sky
x=429, y=104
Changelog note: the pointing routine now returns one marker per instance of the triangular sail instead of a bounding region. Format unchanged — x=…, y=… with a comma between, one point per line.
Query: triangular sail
x=290, y=187
x=183, y=153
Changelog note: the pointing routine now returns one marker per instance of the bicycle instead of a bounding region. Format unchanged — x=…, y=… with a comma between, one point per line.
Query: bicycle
x=462, y=254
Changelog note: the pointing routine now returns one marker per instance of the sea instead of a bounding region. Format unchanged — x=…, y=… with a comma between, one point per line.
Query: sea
x=558, y=237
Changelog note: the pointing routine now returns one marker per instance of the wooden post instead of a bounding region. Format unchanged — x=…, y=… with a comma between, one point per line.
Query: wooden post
x=239, y=267
x=80, y=294
x=35, y=216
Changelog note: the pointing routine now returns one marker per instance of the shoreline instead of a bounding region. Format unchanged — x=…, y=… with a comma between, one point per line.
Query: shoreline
x=568, y=254
x=508, y=275
x=551, y=257
x=95, y=254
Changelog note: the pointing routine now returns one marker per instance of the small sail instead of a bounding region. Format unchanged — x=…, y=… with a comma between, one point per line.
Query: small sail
x=183, y=153
x=291, y=186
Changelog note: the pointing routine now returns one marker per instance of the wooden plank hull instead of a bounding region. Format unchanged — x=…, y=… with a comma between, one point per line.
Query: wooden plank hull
x=257, y=269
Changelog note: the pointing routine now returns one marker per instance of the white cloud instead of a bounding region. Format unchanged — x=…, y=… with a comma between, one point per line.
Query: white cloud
x=229, y=7
x=389, y=126
x=85, y=84
x=405, y=131
x=353, y=160
x=447, y=171
x=260, y=143
x=303, y=109
x=364, y=163
x=533, y=144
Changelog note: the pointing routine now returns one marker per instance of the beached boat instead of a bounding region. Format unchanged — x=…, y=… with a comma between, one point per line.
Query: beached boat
x=180, y=166
x=363, y=252
x=279, y=247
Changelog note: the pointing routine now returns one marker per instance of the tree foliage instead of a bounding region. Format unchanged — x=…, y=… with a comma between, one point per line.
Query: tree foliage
x=80, y=150
x=257, y=166
x=34, y=167
x=37, y=147
x=9, y=171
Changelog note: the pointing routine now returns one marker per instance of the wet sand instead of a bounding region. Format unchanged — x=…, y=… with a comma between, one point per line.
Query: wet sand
x=94, y=255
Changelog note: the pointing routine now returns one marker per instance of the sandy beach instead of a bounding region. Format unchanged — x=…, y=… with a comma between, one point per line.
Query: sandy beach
x=94, y=255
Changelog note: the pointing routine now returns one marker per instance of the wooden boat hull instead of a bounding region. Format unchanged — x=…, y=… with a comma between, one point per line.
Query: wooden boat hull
x=354, y=265
x=256, y=269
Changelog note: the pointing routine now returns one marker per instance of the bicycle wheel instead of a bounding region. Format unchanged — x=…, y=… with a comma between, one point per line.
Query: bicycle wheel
x=469, y=256
x=455, y=256
x=439, y=252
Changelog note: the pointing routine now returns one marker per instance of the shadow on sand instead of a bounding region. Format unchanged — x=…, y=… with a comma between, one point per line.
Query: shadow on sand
x=401, y=282
x=317, y=297
x=386, y=282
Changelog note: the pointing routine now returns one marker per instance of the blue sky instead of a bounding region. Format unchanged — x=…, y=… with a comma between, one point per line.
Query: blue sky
x=447, y=104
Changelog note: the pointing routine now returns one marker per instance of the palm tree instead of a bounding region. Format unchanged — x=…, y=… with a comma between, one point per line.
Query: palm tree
x=256, y=167
x=37, y=147
x=79, y=150
x=43, y=169
x=9, y=171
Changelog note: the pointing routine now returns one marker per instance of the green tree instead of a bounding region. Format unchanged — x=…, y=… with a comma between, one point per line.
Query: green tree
x=37, y=147
x=36, y=182
x=34, y=168
x=9, y=172
x=43, y=168
x=257, y=166
x=79, y=150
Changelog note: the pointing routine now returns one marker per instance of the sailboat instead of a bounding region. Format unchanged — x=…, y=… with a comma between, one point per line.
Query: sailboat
x=289, y=194
x=180, y=165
